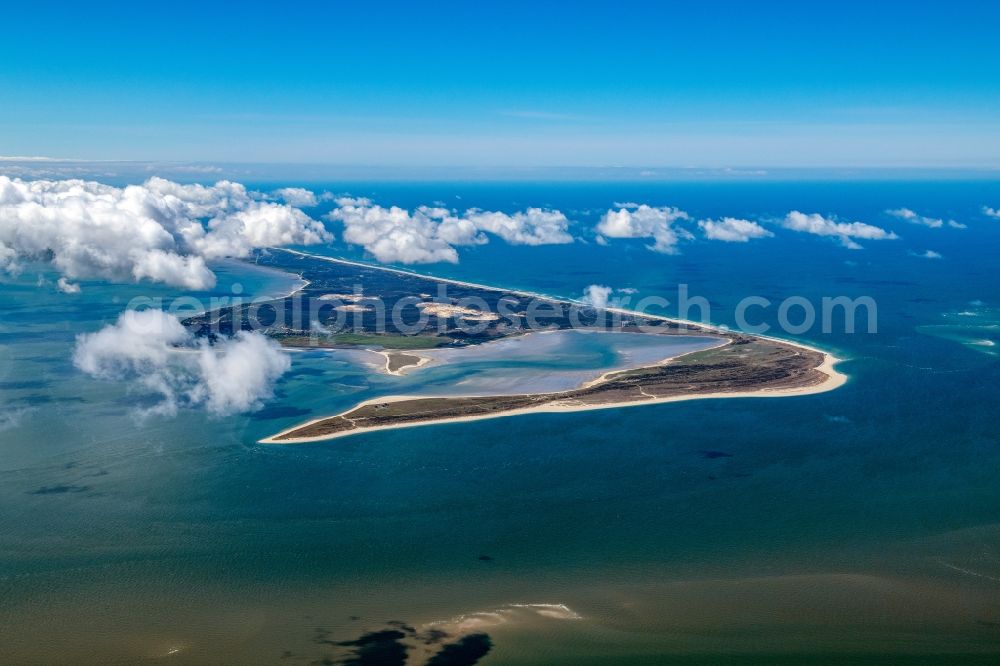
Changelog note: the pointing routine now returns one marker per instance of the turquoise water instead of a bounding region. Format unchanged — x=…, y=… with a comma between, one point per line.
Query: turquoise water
x=861, y=521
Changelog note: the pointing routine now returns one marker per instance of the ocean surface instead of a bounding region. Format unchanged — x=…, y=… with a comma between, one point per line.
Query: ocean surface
x=856, y=526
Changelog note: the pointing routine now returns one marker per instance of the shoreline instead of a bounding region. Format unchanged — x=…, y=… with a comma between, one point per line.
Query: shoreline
x=387, y=355
x=833, y=378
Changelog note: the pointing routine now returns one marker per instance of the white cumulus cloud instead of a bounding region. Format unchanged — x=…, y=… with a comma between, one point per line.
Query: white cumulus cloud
x=846, y=232
x=642, y=221
x=67, y=287
x=430, y=234
x=238, y=376
x=915, y=218
x=160, y=230
x=992, y=212
x=597, y=295
x=161, y=359
x=534, y=226
x=733, y=230
x=296, y=196
x=395, y=235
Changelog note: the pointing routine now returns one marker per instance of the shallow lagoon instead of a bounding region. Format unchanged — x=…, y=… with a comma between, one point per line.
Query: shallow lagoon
x=541, y=362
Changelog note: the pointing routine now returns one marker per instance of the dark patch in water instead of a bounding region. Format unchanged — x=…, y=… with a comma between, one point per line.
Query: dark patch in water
x=712, y=455
x=322, y=636
x=50, y=360
x=464, y=652
x=18, y=337
x=139, y=401
x=59, y=490
x=23, y=384
x=877, y=283
x=433, y=636
x=381, y=648
x=312, y=372
x=402, y=626
x=390, y=646
x=485, y=558
x=36, y=399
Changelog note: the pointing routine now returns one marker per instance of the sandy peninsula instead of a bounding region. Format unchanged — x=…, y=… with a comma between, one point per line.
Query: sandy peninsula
x=740, y=365
x=815, y=372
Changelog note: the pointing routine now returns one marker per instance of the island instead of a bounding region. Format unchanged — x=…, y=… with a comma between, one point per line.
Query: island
x=347, y=304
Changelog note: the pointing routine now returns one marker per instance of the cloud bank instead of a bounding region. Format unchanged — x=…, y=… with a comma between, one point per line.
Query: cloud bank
x=159, y=231
x=431, y=234
x=665, y=225
x=161, y=360
x=168, y=232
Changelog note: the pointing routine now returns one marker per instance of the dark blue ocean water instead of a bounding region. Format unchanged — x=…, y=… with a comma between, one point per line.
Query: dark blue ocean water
x=861, y=520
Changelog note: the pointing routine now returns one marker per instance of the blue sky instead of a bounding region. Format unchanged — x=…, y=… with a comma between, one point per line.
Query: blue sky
x=506, y=84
